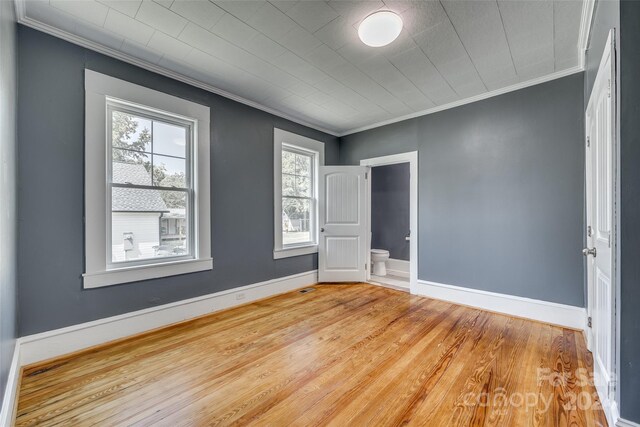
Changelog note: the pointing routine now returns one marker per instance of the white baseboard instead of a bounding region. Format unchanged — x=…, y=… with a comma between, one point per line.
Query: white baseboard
x=610, y=408
x=39, y=347
x=46, y=345
x=558, y=314
x=620, y=422
x=398, y=267
x=11, y=390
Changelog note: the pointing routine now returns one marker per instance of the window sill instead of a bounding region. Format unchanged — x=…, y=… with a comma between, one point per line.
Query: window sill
x=294, y=251
x=99, y=279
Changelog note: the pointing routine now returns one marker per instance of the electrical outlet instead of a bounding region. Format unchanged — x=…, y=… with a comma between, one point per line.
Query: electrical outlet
x=240, y=295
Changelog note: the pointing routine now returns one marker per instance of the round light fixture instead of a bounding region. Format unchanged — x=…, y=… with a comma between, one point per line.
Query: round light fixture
x=380, y=28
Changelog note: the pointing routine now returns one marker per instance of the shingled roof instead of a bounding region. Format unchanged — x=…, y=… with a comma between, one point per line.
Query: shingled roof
x=134, y=199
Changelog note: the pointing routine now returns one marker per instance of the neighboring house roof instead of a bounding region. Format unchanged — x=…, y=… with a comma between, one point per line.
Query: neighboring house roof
x=131, y=173
x=134, y=199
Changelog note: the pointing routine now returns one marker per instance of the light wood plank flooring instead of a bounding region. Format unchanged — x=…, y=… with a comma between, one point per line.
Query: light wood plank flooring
x=353, y=354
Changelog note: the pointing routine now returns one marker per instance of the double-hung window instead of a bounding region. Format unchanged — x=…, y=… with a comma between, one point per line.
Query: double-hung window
x=146, y=183
x=151, y=185
x=296, y=160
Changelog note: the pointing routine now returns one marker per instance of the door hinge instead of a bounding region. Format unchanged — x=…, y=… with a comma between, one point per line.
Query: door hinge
x=609, y=88
x=366, y=267
x=588, y=141
x=366, y=175
x=589, y=323
x=589, y=231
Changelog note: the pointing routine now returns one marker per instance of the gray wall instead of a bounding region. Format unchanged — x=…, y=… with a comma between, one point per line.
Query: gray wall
x=390, y=209
x=629, y=209
x=51, y=140
x=8, y=186
x=500, y=190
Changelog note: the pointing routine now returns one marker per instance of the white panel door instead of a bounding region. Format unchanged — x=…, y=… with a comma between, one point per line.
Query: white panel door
x=342, y=251
x=600, y=184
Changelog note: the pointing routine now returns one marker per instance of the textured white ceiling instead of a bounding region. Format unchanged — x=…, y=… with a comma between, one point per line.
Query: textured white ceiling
x=304, y=58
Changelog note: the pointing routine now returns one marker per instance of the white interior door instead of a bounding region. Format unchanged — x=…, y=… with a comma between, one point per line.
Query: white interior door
x=342, y=249
x=600, y=184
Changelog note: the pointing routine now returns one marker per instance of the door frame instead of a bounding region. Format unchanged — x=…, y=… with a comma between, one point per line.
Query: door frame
x=610, y=50
x=411, y=158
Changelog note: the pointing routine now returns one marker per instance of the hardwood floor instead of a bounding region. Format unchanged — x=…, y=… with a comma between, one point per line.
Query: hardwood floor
x=352, y=354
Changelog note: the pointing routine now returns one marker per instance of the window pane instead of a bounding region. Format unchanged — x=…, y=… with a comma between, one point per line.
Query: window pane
x=303, y=186
x=129, y=171
x=148, y=224
x=303, y=165
x=131, y=132
x=169, y=172
x=293, y=185
x=135, y=226
x=296, y=164
x=174, y=225
x=289, y=185
x=169, y=139
x=288, y=162
x=296, y=221
x=296, y=174
x=130, y=156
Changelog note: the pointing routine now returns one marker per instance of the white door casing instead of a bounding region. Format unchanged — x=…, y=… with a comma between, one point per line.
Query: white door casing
x=600, y=209
x=342, y=222
x=411, y=158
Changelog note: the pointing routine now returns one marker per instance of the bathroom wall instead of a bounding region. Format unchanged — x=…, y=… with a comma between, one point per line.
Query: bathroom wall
x=390, y=209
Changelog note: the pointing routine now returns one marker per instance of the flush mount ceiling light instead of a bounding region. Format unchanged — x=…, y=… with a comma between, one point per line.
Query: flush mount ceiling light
x=380, y=28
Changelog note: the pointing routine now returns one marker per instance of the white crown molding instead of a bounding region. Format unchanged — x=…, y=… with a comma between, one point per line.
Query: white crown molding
x=567, y=316
x=482, y=96
x=585, y=25
x=588, y=7
x=81, y=41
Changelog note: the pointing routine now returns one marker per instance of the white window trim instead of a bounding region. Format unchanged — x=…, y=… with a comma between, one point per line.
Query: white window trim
x=281, y=137
x=97, y=88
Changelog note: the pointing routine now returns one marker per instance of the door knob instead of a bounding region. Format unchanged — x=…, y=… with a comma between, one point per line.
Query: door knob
x=322, y=230
x=589, y=251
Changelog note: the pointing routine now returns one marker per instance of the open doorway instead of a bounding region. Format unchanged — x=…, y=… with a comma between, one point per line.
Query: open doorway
x=392, y=220
x=390, y=228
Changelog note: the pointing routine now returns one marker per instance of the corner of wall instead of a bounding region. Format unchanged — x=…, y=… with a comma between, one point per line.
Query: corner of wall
x=8, y=188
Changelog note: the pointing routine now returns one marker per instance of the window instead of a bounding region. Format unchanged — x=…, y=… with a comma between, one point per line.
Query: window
x=146, y=183
x=297, y=196
x=296, y=161
x=151, y=186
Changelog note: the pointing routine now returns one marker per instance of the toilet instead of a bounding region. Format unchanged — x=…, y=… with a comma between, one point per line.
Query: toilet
x=379, y=259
